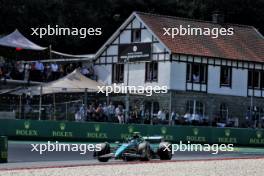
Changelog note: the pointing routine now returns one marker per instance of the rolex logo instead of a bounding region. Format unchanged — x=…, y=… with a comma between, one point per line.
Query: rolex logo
x=259, y=134
x=62, y=126
x=163, y=130
x=27, y=124
x=97, y=128
x=130, y=129
x=227, y=132
x=195, y=131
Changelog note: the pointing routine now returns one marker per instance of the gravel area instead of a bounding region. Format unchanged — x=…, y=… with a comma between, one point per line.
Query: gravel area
x=236, y=167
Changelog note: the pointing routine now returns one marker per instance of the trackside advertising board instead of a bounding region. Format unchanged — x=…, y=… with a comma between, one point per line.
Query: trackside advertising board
x=60, y=130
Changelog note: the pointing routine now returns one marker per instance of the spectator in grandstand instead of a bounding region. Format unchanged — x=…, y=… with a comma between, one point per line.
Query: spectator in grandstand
x=39, y=69
x=119, y=112
x=105, y=112
x=173, y=117
x=254, y=119
x=90, y=112
x=85, y=71
x=187, y=117
x=83, y=112
x=111, y=112
x=78, y=116
x=161, y=116
x=54, y=71
x=91, y=73
x=20, y=70
x=47, y=73
x=39, y=66
x=146, y=116
x=32, y=72
x=5, y=71
x=70, y=68
x=99, y=113
x=134, y=116
x=27, y=72
x=196, y=77
x=61, y=71
x=248, y=118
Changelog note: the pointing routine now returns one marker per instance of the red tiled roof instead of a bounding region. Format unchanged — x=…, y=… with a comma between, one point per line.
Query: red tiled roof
x=246, y=43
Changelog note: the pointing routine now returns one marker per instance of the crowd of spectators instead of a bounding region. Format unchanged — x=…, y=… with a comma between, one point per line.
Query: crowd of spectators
x=117, y=113
x=41, y=72
x=137, y=114
x=100, y=113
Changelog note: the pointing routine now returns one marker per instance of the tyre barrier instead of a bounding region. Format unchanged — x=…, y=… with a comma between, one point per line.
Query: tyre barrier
x=3, y=149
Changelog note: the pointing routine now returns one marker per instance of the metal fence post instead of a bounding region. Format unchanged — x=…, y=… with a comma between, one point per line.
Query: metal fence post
x=66, y=106
x=40, y=102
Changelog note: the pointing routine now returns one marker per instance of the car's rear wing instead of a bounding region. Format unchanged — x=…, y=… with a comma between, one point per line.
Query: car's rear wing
x=153, y=139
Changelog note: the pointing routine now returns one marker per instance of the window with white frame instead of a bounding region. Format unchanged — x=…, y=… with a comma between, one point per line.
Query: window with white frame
x=196, y=73
x=195, y=107
x=254, y=79
x=225, y=76
x=256, y=112
x=151, y=73
x=118, y=73
x=135, y=35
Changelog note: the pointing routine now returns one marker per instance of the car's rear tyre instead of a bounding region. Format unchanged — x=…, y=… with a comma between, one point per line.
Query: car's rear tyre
x=144, y=151
x=105, y=149
x=163, y=152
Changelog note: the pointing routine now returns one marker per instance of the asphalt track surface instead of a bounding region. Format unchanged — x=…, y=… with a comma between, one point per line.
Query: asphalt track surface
x=20, y=156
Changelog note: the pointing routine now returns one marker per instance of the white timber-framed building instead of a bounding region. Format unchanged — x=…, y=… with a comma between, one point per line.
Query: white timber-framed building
x=217, y=76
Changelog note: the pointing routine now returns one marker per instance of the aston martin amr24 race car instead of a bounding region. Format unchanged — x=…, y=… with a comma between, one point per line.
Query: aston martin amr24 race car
x=136, y=148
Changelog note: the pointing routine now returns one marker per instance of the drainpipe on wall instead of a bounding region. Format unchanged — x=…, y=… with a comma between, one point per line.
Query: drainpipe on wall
x=127, y=94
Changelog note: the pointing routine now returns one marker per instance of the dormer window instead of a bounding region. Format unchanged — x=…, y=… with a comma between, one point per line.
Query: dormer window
x=135, y=35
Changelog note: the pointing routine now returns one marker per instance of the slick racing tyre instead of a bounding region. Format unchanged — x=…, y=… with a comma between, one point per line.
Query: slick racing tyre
x=105, y=149
x=163, y=153
x=144, y=151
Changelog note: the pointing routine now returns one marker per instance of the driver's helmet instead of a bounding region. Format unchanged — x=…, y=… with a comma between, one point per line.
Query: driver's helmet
x=136, y=135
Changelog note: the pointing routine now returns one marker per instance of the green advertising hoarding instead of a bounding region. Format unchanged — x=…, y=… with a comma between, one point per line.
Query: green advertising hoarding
x=92, y=131
x=3, y=149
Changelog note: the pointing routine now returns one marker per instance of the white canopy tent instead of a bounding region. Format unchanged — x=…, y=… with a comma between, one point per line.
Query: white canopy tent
x=17, y=40
x=72, y=83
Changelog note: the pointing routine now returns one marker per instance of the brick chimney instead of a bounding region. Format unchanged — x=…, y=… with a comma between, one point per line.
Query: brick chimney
x=218, y=17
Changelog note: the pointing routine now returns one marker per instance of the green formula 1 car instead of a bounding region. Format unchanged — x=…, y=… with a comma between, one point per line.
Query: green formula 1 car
x=136, y=148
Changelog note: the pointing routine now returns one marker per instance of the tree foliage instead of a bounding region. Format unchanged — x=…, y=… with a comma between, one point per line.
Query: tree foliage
x=109, y=14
